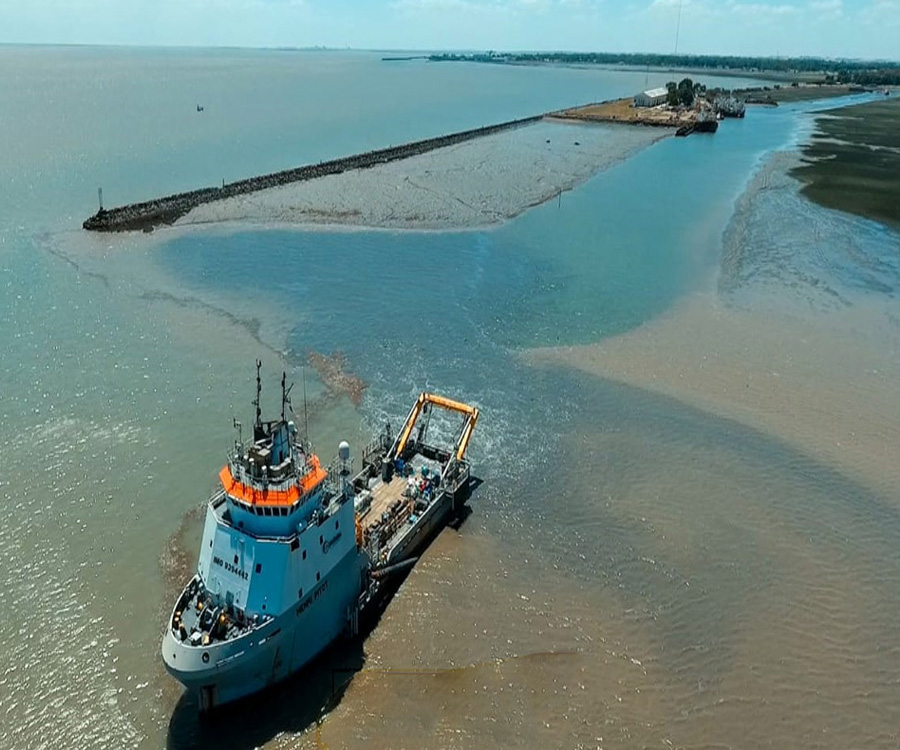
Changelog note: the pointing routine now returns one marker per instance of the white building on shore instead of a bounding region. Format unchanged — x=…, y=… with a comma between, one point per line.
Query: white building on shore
x=651, y=98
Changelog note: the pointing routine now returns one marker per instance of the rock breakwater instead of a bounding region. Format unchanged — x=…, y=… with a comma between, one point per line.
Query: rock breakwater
x=149, y=214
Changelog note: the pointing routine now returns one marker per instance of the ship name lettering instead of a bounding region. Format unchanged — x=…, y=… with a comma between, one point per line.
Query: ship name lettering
x=316, y=594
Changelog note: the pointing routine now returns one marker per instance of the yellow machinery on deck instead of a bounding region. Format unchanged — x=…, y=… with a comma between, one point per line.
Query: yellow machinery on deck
x=425, y=399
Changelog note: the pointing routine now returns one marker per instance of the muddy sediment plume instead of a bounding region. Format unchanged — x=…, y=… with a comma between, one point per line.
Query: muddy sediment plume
x=332, y=369
x=799, y=339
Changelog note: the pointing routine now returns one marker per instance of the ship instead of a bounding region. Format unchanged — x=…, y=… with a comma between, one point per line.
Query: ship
x=293, y=553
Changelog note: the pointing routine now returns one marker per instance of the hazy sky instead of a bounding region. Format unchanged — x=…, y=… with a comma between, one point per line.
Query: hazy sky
x=846, y=28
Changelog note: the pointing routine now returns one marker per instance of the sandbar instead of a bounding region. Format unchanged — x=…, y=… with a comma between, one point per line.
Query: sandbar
x=473, y=184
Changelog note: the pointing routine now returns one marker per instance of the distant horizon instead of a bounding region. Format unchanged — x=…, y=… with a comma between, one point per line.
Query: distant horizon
x=448, y=50
x=827, y=29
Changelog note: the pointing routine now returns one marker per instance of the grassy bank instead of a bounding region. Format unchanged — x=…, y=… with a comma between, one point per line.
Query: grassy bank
x=852, y=164
x=801, y=93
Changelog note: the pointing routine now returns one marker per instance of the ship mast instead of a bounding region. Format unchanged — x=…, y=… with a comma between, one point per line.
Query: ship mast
x=285, y=395
x=257, y=425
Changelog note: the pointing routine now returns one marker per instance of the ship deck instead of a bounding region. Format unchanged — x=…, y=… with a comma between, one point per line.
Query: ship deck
x=384, y=495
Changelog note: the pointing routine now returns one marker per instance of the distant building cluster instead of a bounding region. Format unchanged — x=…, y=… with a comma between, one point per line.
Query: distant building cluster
x=651, y=98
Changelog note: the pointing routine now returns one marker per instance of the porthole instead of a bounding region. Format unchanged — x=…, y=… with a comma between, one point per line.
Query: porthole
x=235, y=559
x=335, y=524
x=205, y=657
x=259, y=567
x=321, y=539
x=318, y=575
x=300, y=594
x=304, y=554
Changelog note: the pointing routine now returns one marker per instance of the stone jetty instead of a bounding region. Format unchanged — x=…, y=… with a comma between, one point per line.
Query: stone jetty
x=149, y=214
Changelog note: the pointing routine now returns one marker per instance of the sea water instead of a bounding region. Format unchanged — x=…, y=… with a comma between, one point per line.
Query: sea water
x=633, y=571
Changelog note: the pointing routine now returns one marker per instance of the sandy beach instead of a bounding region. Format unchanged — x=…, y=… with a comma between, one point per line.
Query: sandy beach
x=474, y=184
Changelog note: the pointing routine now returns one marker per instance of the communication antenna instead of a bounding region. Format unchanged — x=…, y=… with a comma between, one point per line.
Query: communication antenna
x=237, y=426
x=678, y=26
x=258, y=423
x=305, y=407
x=285, y=396
x=100, y=198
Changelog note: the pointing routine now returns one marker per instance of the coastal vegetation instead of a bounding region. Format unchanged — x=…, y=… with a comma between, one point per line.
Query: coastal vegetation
x=852, y=163
x=684, y=92
x=859, y=72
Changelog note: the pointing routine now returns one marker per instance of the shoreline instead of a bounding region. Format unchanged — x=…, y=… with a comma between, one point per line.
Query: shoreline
x=188, y=207
x=852, y=161
x=793, y=350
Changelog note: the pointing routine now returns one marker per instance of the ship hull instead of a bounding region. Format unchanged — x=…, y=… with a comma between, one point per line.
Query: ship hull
x=236, y=669
x=423, y=531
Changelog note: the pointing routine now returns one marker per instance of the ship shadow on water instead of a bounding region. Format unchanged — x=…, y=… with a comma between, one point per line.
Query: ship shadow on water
x=297, y=703
x=291, y=706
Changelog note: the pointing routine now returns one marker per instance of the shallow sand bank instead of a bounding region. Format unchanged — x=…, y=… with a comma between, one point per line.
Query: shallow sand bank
x=820, y=384
x=796, y=333
x=476, y=183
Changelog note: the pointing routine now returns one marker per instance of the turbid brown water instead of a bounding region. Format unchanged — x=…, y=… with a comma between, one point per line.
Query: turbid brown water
x=642, y=566
x=694, y=547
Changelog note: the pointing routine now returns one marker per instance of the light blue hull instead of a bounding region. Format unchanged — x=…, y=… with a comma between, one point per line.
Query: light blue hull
x=268, y=654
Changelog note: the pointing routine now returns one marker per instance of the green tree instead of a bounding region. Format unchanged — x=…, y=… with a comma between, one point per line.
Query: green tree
x=685, y=92
x=672, y=99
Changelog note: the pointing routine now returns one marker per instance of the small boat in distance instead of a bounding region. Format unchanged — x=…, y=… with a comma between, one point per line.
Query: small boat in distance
x=293, y=552
x=199, y=108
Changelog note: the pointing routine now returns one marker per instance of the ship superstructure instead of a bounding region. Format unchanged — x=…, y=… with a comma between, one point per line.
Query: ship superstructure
x=292, y=551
